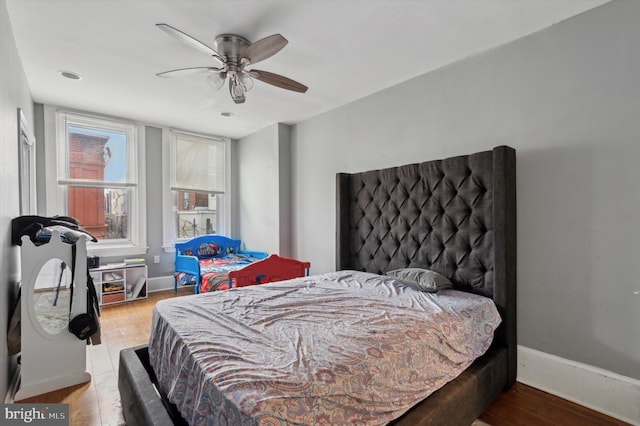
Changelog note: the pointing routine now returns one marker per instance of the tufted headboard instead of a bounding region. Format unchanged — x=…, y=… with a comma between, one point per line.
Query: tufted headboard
x=456, y=216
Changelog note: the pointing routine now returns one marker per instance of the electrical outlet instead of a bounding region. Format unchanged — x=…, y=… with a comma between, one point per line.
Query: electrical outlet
x=156, y=259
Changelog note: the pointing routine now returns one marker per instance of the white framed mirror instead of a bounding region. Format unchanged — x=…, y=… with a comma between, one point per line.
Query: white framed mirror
x=52, y=296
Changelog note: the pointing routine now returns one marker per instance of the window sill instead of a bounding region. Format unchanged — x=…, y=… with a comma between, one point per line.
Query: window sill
x=116, y=250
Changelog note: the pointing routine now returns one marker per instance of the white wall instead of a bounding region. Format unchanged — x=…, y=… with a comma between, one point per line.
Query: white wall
x=264, y=191
x=14, y=94
x=568, y=99
x=258, y=190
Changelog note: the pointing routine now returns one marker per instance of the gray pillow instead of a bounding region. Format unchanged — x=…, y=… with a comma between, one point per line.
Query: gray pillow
x=421, y=279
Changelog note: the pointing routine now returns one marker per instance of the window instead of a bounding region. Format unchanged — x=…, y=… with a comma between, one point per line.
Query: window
x=27, y=166
x=195, y=187
x=100, y=180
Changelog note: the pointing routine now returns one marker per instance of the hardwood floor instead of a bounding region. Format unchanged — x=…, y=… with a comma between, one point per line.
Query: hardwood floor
x=124, y=325
x=127, y=324
x=524, y=405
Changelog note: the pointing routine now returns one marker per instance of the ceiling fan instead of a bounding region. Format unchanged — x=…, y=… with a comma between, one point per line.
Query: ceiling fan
x=235, y=53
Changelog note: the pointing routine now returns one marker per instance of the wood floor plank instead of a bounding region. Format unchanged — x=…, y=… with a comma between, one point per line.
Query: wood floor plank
x=524, y=405
x=127, y=324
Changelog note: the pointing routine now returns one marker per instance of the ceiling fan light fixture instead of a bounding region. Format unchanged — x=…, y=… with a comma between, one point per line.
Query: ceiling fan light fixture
x=245, y=80
x=216, y=79
x=237, y=90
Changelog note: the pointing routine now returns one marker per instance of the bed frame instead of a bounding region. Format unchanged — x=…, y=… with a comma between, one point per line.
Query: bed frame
x=273, y=268
x=187, y=259
x=456, y=216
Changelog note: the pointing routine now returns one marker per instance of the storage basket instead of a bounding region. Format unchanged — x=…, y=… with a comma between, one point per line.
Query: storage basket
x=113, y=297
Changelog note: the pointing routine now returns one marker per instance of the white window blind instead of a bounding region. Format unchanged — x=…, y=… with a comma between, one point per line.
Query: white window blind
x=198, y=163
x=195, y=185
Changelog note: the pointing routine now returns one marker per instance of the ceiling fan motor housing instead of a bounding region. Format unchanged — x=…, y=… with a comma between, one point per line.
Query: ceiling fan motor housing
x=231, y=46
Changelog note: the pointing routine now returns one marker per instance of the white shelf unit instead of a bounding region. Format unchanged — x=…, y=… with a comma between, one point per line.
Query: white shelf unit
x=120, y=283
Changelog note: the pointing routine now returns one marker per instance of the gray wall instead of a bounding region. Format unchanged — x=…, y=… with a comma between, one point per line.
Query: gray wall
x=154, y=168
x=14, y=94
x=284, y=189
x=568, y=99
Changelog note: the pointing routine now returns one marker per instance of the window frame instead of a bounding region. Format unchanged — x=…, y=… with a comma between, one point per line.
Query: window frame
x=223, y=211
x=57, y=121
x=26, y=165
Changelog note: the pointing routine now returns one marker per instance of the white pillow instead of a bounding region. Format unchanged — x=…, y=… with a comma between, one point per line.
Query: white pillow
x=421, y=279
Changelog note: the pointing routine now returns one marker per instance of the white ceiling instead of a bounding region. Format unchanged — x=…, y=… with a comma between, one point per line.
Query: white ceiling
x=342, y=49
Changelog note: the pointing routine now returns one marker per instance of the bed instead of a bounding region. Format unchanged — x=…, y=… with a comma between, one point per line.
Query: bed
x=216, y=262
x=205, y=262
x=454, y=216
x=273, y=268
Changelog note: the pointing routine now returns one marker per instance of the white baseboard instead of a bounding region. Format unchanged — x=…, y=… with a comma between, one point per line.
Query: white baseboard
x=600, y=390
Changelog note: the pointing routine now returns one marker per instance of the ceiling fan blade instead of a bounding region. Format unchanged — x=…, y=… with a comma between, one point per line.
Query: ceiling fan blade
x=182, y=72
x=190, y=41
x=278, y=80
x=264, y=48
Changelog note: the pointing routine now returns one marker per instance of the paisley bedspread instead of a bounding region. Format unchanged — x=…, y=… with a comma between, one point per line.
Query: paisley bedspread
x=339, y=348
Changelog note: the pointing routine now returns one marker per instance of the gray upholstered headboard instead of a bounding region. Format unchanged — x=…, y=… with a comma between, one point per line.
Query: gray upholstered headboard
x=456, y=216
